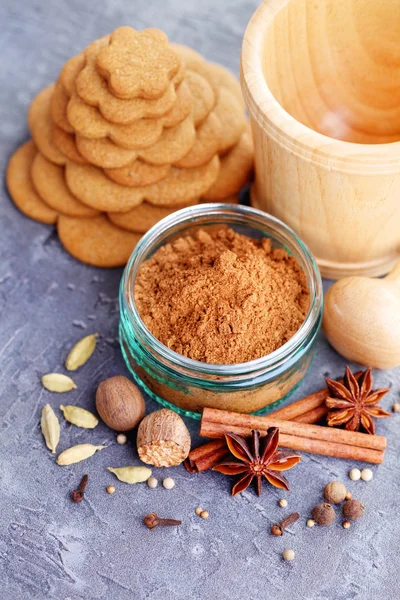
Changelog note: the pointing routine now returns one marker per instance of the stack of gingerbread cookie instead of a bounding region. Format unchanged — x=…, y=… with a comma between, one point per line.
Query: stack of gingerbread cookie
x=133, y=129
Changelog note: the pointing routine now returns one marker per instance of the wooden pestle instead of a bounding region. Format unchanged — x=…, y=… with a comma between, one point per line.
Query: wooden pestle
x=362, y=319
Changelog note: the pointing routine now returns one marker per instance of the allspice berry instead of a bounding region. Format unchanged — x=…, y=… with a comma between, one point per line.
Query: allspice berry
x=353, y=509
x=120, y=403
x=335, y=492
x=323, y=514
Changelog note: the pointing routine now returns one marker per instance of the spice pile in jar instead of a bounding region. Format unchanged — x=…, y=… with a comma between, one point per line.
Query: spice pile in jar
x=221, y=297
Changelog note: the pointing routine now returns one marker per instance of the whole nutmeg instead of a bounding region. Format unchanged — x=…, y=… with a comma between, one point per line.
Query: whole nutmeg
x=323, y=514
x=163, y=440
x=353, y=509
x=335, y=492
x=120, y=403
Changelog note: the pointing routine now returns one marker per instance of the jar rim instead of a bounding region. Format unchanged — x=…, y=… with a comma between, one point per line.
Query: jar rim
x=188, y=217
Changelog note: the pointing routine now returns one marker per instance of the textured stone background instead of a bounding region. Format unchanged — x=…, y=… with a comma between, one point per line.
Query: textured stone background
x=51, y=548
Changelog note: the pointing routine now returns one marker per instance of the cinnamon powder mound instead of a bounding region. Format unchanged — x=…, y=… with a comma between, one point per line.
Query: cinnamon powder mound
x=220, y=297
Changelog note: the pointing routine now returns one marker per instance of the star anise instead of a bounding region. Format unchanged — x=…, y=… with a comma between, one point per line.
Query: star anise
x=353, y=403
x=257, y=459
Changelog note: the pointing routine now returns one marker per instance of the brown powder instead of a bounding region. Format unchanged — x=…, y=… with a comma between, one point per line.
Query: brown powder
x=221, y=297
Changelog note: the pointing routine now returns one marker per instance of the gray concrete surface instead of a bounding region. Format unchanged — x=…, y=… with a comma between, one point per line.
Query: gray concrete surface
x=53, y=549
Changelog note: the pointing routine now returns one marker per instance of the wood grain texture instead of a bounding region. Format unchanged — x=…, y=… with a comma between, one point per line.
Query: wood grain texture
x=53, y=549
x=362, y=319
x=322, y=82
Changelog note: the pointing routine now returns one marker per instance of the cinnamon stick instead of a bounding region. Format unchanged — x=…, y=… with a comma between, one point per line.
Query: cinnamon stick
x=220, y=420
x=297, y=409
x=310, y=409
x=312, y=416
x=206, y=456
x=313, y=446
x=328, y=441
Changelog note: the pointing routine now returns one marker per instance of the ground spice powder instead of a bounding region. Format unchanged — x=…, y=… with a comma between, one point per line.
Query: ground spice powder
x=221, y=297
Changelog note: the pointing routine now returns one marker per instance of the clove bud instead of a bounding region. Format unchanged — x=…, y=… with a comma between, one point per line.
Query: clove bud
x=78, y=494
x=153, y=520
x=278, y=528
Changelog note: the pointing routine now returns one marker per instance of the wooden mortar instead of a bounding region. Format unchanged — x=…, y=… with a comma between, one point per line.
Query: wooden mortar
x=322, y=83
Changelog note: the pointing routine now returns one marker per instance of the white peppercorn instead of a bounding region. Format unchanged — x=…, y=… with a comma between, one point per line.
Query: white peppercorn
x=355, y=474
x=168, y=483
x=121, y=438
x=288, y=554
x=366, y=474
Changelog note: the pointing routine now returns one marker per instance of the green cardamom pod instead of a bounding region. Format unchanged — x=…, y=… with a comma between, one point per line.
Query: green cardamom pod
x=77, y=453
x=50, y=428
x=79, y=416
x=81, y=352
x=131, y=474
x=57, y=382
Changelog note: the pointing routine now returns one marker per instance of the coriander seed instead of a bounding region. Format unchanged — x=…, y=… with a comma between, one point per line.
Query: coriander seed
x=366, y=474
x=346, y=524
x=310, y=523
x=204, y=514
x=283, y=502
x=198, y=511
x=355, y=474
x=152, y=482
x=288, y=554
x=121, y=438
x=335, y=492
x=110, y=489
x=168, y=483
x=396, y=407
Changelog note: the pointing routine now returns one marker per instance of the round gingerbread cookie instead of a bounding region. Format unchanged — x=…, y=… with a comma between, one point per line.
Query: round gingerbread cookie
x=91, y=186
x=96, y=241
x=49, y=181
x=143, y=217
x=21, y=189
x=235, y=172
x=40, y=125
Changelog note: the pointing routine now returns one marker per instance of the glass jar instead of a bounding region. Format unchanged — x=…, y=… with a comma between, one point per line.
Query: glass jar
x=186, y=385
